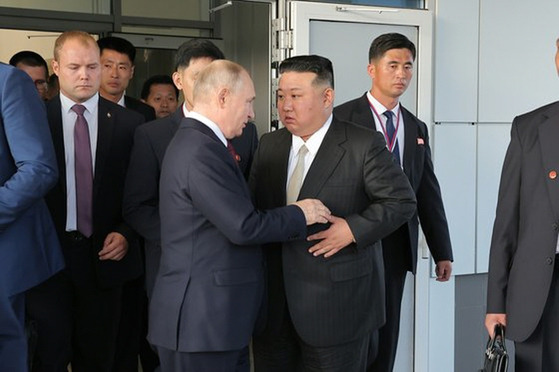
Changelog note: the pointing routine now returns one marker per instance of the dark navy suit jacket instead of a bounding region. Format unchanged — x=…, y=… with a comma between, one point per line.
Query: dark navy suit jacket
x=211, y=276
x=29, y=248
x=141, y=194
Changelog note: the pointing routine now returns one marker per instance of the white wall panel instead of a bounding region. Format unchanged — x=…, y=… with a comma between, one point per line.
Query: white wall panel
x=455, y=165
x=456, y=60
x=493, y=140
x=517, y=48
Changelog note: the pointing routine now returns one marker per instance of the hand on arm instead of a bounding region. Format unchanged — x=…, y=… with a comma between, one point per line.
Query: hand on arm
x=115, y=247
x=335, y=238
x=492, y=319
x=443, y=270
x=314, y=210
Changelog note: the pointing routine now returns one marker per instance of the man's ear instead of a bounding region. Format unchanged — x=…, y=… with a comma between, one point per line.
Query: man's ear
x=177, y=80
x=329, y=97
x=371, y=70
x=223, y=96
x=55, y=67
x=132, y=71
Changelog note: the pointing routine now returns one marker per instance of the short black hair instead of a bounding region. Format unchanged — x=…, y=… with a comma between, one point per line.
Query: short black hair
x=157, y=79
x=386, y=42
x=321, y=66
x=119, y=45
x=196, y=48
x=29, y=58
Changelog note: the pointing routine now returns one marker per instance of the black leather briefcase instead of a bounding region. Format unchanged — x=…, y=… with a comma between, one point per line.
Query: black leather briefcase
x=496, y=358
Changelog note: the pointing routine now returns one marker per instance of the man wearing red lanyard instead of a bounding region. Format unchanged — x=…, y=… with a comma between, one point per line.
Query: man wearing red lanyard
x=391, y=58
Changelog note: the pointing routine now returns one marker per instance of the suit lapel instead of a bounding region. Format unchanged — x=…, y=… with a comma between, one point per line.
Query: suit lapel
x=55, y=122
x=548, y=134
x=363, y=113
x=326, y=160
x=279, y=160
x=226, y=156
x=105, y=128
x=410, y=139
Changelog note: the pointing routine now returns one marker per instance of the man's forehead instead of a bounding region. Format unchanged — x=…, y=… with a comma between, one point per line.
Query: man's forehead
x=300, y=76
x=111, y=54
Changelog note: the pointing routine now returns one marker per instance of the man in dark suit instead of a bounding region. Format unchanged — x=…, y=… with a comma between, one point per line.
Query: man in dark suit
x=29, y=249
x=160, y=92
x=325, y=301
x=391, y=58
x=211, y=278
x=78, y=310
x=117, y=69
x=141, y=197
x=523, y=283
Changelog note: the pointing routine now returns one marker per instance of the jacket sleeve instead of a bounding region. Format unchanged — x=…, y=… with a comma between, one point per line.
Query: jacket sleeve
x=504, y=240
x=25, y=147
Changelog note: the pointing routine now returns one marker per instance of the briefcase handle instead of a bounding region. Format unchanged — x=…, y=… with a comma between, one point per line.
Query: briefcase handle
x=496, y=356
x=498, y=335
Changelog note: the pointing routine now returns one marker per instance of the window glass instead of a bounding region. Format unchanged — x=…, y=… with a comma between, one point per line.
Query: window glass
x=79, y=6
x=194, y=10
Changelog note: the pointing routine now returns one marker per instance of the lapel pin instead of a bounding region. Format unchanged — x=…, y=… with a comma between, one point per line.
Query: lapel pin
x=553, y=175
x=420, y=141
x=108, y=114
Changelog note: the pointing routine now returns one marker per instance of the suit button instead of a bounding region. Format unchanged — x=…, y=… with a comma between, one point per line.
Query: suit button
x=549, y=260
x=555, y=226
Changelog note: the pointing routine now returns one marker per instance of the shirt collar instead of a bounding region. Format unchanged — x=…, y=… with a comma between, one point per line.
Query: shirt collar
x=314, y=141
x=121, y=100
x=379, y=107
x=207, y=122
x=90, y=105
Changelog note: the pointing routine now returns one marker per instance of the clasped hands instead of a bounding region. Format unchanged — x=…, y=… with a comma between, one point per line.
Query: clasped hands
x=333, y=239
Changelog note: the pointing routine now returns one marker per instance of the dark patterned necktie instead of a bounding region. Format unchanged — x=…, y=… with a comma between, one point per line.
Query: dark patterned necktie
x=83, y=172
x=233, y=153
x=390, y=129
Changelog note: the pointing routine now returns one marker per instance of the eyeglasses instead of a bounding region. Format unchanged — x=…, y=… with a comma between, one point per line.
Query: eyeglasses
x=40, y=84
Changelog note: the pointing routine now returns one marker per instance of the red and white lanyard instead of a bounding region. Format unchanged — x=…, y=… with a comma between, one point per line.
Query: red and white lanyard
x=390, y=142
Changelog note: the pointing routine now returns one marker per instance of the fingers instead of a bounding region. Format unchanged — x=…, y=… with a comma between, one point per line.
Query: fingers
x=493, y=319
x=115, y=247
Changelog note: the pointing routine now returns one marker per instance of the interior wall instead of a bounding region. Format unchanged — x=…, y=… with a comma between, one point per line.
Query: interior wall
x=13, y=41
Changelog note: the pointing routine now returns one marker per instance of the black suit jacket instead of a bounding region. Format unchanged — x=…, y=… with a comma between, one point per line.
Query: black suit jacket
x=141, y=196
x=338, y=299
x=116, y=127
x=418, y=167
x=527, y=223
x=135, y=104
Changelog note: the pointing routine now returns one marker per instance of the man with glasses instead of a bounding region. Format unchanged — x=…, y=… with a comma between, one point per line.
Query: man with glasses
x=35, y=66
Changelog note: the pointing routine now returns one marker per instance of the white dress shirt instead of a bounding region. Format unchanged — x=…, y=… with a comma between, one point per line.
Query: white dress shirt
x=68, y=123
x=313, y=144
x=400, y=135
x=210, y=124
